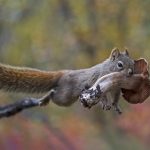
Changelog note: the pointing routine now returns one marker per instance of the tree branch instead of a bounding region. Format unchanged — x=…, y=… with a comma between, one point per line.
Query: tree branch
x=14, y=108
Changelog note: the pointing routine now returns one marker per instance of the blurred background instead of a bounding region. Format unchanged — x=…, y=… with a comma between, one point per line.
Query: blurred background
x=73, y=34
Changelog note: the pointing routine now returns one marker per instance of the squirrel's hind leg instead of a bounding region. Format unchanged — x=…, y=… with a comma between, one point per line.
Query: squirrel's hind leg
x=46, y=98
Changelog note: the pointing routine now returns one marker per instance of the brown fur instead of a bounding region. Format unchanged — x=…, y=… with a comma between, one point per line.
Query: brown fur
x=27, y=80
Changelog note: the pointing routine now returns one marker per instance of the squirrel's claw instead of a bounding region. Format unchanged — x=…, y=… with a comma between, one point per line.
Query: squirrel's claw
x=105, y=106
x=117, y=108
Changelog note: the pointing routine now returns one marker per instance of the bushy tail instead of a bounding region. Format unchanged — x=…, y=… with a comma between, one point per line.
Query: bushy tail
x=27, y=79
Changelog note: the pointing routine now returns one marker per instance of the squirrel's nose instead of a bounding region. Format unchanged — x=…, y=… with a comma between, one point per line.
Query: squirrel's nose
x=130, y=72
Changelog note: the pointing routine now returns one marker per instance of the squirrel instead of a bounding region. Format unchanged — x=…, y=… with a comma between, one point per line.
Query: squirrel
x=135, y=89
x=65, y=86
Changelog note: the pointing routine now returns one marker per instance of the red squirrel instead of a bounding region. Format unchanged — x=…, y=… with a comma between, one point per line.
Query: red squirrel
x=65, y=85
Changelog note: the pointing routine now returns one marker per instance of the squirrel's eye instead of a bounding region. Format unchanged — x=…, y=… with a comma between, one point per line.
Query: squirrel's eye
x=120, y=65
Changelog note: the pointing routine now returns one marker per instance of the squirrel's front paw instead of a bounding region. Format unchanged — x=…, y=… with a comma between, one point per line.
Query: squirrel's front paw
x=117, y=108
x=105, y=106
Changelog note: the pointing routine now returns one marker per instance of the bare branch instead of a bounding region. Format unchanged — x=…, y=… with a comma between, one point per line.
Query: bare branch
x=14, y=108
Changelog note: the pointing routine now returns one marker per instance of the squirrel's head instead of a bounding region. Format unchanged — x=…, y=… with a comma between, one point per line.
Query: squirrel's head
x=122, y=61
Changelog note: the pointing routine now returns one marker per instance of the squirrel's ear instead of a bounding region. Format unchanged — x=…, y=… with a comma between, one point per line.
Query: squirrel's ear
x=114, y=54
x=126, y=52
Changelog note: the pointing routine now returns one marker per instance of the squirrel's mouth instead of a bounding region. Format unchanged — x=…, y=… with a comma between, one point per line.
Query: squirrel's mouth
x=130, y=72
